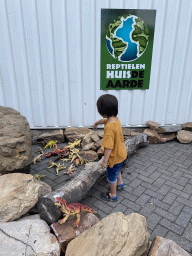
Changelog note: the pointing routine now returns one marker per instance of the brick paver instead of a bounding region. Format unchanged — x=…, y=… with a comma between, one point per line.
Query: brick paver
x=158, y=185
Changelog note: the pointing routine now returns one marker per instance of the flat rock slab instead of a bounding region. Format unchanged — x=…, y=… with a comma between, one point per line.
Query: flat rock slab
x=76, y=133
x=66, y=232
x=55, y=135
x=187, y=126
x=117, y=234
x=156, y=138
x=167, y=137
x=153, y=136
x=153, y=125
x=165, y=247
x=169, y=128
x=184, y=136
x=28, y=237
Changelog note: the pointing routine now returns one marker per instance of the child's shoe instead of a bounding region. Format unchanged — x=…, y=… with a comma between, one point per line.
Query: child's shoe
x=121, y=186
x=107, y=197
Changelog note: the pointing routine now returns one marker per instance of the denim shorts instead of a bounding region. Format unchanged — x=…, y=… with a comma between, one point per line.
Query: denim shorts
x=112, y=173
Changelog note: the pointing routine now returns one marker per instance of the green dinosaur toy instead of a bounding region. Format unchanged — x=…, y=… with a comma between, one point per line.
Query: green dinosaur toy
x=50, y=144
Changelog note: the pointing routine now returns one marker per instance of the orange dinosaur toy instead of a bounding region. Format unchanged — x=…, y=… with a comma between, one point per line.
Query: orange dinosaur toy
x=72, y=209
x=54, y=153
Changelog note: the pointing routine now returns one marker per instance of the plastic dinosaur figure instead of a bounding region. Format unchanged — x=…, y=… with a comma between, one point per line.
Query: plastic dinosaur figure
x=70, y=170
x=58, y=167
x=73, y=154
x=65, y=152
x=50, y=144
x=72, y=209
x=37, y=176
x=75, y=143
x=78, y=162
x=37, y=158
x=65, y=160
x=55, y=152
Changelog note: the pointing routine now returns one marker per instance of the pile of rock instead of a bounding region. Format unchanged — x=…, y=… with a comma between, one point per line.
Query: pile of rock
x=163, y=134
x=90, y=141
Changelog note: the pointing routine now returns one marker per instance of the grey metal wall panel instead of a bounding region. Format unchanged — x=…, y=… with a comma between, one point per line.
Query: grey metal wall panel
x=50, y=62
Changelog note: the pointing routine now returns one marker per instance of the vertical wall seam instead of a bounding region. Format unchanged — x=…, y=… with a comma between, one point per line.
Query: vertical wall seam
x=144, y=96
x=183, y=65
x=189, y=103
x=1, y=78
x=28, y=77
x=13, y=61
x=81, y=60
x=95, y=55
x=109, y=3
x=131, y=91
x=160, y=60
x=109, y=6
x=40, y=61
x=171, y=62
x=138, y=4
x=68, y=68
x=54, y=64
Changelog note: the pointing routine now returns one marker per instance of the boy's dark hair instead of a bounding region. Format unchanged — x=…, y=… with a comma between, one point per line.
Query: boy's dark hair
x=107, y=104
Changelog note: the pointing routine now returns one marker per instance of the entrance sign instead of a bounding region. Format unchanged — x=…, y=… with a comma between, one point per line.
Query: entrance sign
x=126, y=48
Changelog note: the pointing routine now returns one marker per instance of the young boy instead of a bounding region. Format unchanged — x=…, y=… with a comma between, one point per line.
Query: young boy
x=113, y=143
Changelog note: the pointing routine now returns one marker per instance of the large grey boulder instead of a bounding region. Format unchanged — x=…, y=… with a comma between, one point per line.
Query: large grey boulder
x=15, y=140
x=117, y=234
x=29, y=217
x=19, y=192
x=27, y=237
x=46, y=189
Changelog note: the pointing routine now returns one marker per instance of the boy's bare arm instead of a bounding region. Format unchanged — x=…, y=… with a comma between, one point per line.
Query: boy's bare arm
x=101, y=121
x=106, y=157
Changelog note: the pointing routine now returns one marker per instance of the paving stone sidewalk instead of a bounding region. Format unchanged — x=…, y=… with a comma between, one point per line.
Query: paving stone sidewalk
x=159, y=186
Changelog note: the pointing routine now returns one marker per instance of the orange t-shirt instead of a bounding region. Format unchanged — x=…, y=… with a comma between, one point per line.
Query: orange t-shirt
x=113, y=139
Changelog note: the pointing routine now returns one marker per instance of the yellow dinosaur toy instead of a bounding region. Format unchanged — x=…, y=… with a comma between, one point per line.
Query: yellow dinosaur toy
x=65, y=160
x=58, y=167
x=70, y=170
x=37, y=158
x=37, y=176
x=75, y=143
x=50, y=144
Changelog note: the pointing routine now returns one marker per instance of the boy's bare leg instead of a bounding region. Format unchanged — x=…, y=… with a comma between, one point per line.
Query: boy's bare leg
x=119, y=179
x=113, y=189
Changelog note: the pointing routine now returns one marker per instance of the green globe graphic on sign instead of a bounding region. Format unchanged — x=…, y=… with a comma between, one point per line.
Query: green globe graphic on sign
x=127, y=38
